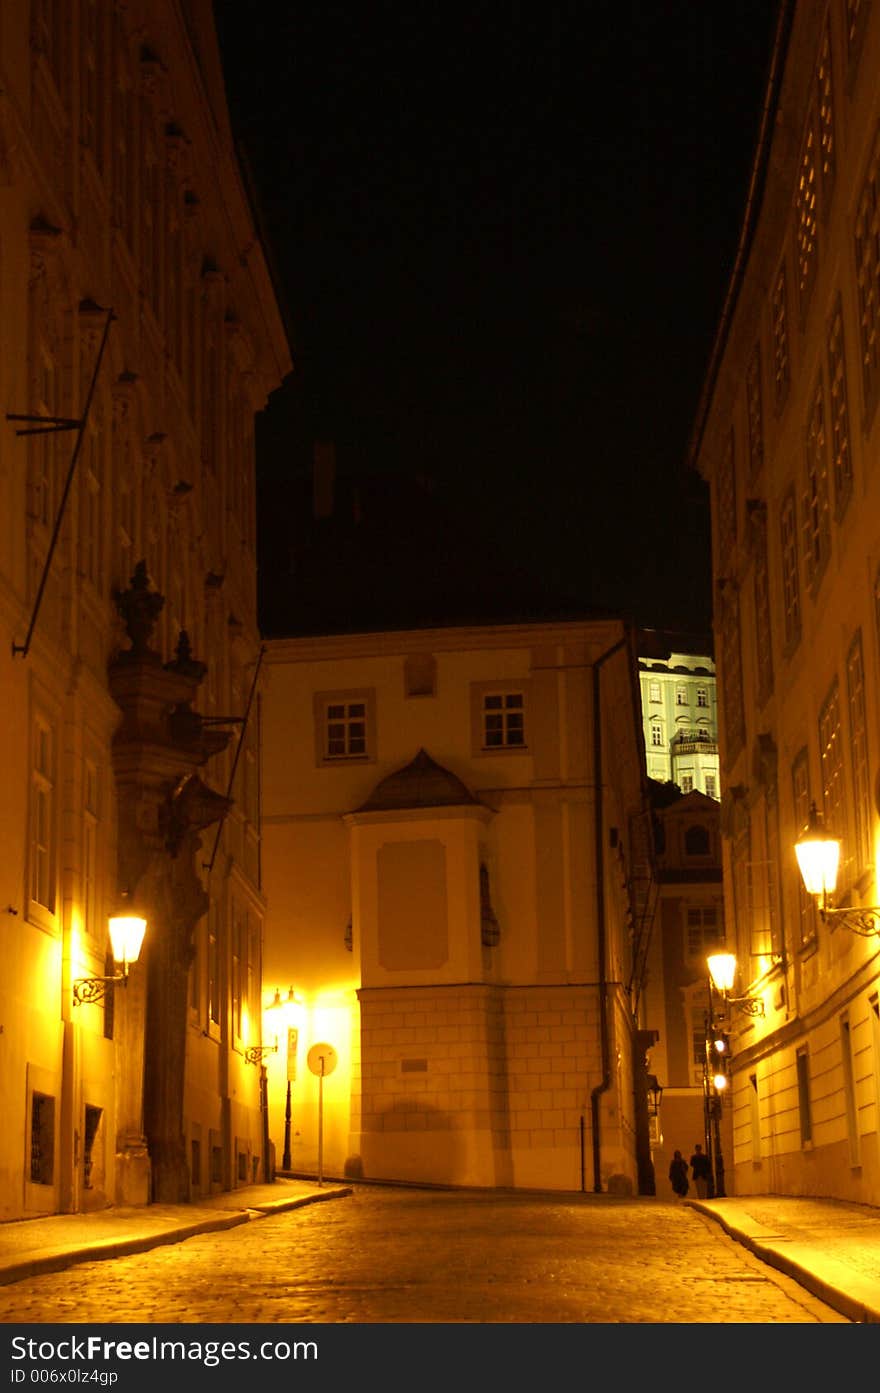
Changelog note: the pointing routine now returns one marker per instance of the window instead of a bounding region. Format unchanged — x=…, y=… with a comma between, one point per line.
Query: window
x=711, y=786
x=499, y=718
x=681, y=694
x=696, y=841
x=803, y=1086
x=790, y=577
x=781, y=358
x=653, y=691
x=754, y=1118
x=345, y=726
x=42, y=1169
x=825, y=120
x=43, y=815
x=867, y=256
x=503, y=720
x=755, y=412
x=838, y=422
x=849, y=1090
x=856, y=14
x=816, y=518
x=831, y=764
x=656, y=733
x=800, y=784
x=213, y=966
x=806, y=213
x=91, y=813
x=705, y=931
x=731, y=667
x=687, y=783
x=702, y=696
x=858, y=749
x=763, y=646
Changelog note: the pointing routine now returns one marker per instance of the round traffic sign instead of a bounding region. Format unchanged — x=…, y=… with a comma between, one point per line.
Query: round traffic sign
x=321, y=1059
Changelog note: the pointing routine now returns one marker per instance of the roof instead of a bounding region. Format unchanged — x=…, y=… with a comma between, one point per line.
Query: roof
x=420, y=784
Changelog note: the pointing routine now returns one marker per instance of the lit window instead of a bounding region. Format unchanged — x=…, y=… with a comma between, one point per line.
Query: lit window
x=711, y=786
x=831, y=764
x=702, y=696
x=654, y=691
x=806, y=213
x=801, y=798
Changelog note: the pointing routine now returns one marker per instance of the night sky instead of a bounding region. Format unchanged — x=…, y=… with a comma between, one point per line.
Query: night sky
x=502, y=236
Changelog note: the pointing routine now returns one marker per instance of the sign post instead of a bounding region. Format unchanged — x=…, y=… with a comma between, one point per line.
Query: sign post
x=321, y=1060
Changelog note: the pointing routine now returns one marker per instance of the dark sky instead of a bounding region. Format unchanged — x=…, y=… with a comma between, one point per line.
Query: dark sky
x=502, y=234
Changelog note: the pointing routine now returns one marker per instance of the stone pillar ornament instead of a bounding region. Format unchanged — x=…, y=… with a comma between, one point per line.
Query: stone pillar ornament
x=163, y=806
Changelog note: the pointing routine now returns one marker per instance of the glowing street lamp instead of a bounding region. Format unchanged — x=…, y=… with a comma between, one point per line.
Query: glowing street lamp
x=126, y=938
x=818, y=856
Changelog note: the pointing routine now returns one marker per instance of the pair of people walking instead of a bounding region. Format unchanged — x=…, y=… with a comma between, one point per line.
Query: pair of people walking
x=701, y=1173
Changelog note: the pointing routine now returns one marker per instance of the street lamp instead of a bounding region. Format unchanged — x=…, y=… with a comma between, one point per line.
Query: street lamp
x=288, y=1012
x=126, y=937
x=722, y=974
x=818, y=855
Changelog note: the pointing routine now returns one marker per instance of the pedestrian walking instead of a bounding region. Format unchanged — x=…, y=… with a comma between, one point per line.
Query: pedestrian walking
x=701, y=1171
x=678, y=1174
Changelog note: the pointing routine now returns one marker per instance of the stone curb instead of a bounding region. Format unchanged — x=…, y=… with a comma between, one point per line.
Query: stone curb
x=838, y=1286
x=59, y=1258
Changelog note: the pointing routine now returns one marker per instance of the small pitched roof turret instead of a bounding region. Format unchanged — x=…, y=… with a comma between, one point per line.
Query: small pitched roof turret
x=420, y=784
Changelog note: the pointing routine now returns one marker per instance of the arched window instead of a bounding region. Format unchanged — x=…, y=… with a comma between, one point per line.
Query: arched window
x=696, y=841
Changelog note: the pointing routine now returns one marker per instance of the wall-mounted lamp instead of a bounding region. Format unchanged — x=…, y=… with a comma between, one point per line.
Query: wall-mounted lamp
x=655, y=1095
x=126, y=937
x=722, y=973
x=818, y=854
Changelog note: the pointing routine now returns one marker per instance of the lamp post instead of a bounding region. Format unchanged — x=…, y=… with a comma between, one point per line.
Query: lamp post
x=714, y=1084
x=288, y=1011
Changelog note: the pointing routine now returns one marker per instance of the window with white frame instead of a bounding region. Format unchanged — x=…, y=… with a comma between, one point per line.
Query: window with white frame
x=681, y=694
x=711, y=786
x=499, y=713
x=702, y=696
x=43, y=838
x=345, y=726
x=653, y=691
x=656, y=733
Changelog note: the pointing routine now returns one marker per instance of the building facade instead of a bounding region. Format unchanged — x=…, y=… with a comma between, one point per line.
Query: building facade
x=139, y=334
x=788, y=437
x=455, y=857
x=679, y=714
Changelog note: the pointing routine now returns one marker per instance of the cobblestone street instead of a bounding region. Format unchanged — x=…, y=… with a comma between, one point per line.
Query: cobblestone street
x=396, y=1255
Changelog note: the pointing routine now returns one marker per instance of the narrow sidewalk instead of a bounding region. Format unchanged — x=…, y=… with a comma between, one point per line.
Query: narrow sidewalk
x=29, y=1247
x=830, y=1247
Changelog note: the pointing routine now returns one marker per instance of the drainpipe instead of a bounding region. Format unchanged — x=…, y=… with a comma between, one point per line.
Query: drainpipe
x=599, y=816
